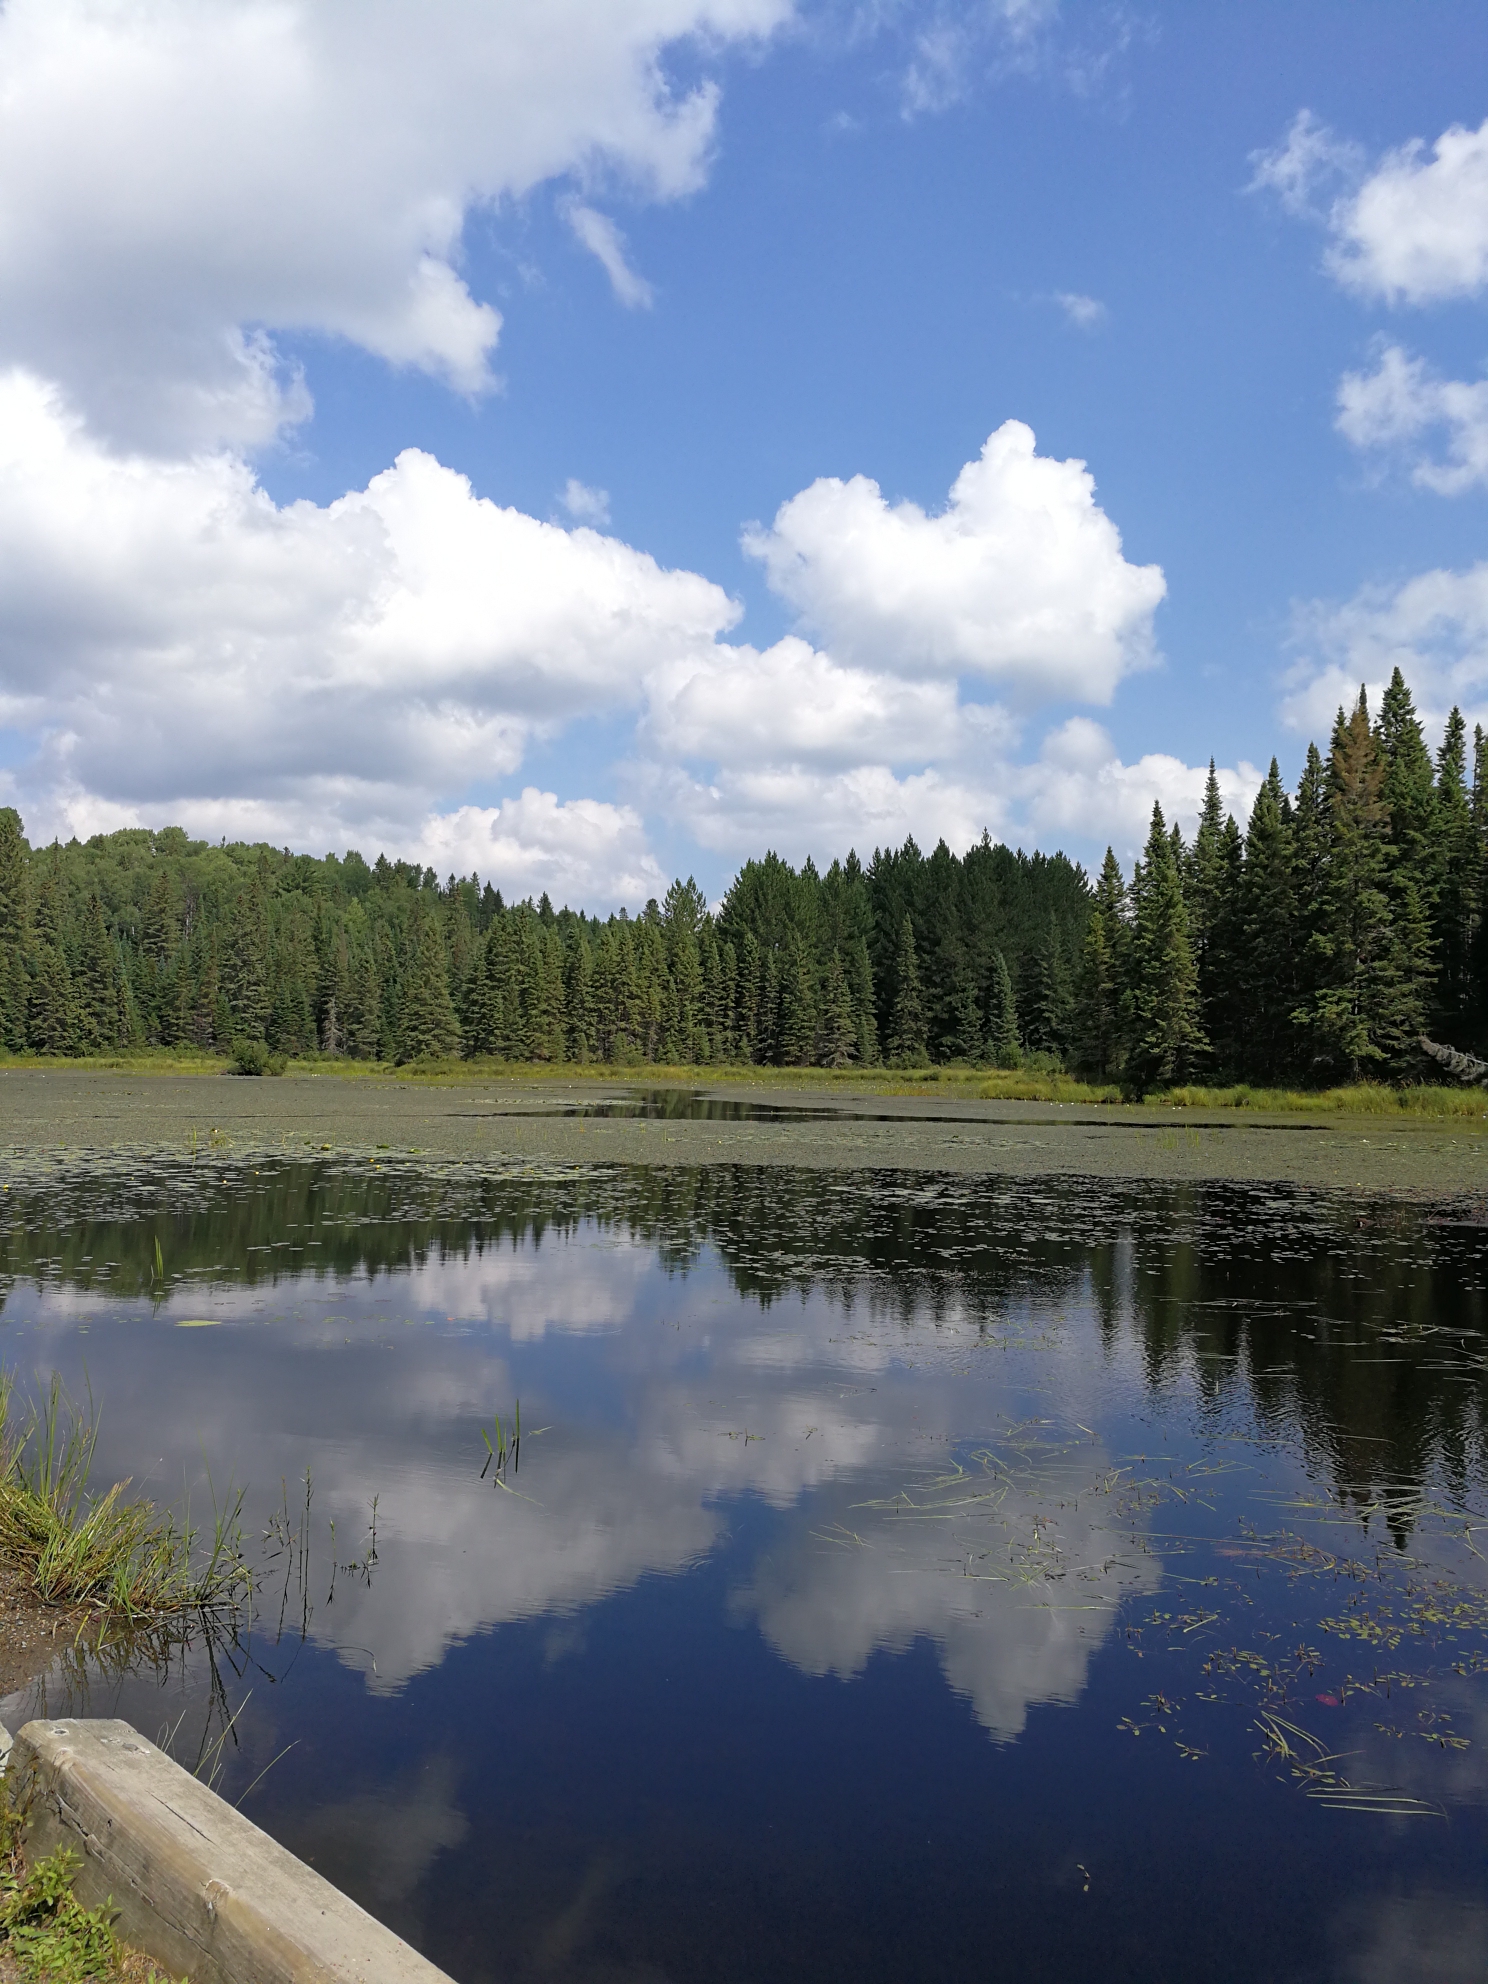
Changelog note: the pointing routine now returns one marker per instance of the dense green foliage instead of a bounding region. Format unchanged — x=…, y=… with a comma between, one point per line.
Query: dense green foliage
x=1313, y=945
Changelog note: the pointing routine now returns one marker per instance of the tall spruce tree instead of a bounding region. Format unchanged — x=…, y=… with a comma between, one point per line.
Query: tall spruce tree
x=1267, y=1042
x=245, y=966
x=1415, y=874
x=839, y=1029
x=1365, y=1002
x=51, y=1017
x=99, y=1000
x=428, y=1025
x=1002, y=1023
x=14, y=932
x=1102, y=974
x=1164, y=1035
x=907, y=1042
x=1459, y=898
x=1051, y=1011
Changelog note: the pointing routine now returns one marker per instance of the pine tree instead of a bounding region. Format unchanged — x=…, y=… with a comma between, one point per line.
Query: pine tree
x=545, y=977
x=907, y=1044
x=1461, y=877
x=364, y=1008
x=1415, y=874
x=1203, y=880
x=1364, y=1007
x=1002, y=1016
x=798, y=1006
x=966, y=1039
x=245, y=964
x=427, y=1022
x=860, y=982
x=1164, y=1037
x=1268, y=934
x=98, y=985
x=686, y=1030
x=839, y=1028
x=1478, y=806
x=14, y=932
x=578, y=1026
x=160, y=930
x=1051, y=1011
x=1102, y=976
x=51, y=1017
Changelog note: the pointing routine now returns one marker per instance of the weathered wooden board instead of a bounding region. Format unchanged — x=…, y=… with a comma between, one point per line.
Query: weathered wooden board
x=198, y=1887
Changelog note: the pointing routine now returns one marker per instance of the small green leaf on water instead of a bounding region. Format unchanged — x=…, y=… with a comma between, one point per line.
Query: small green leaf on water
x=200, y=1323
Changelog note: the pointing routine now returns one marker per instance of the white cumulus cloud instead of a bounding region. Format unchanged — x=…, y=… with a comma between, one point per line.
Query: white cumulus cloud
x=1411, y=229
x=1402, y=402
x=180, y=179
x=1433, y=627
x=584, y=852
x=585, y=504
x=1306, y=166
x=1020, y=580
x=606, y=244
x=1416, y=231
x=178, y=647
x=796, y=703
x=1080, y=786
x=1086, y=313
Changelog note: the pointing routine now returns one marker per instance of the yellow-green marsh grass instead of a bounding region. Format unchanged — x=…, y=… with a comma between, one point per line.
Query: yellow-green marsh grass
x=115, y=1554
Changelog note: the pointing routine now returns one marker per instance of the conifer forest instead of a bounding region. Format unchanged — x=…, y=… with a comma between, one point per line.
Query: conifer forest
x=1313, y=943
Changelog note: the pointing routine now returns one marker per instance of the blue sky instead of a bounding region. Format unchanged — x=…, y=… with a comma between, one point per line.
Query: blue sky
x=251, y=255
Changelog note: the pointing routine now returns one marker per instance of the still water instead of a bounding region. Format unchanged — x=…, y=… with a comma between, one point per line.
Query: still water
x=902, y=1578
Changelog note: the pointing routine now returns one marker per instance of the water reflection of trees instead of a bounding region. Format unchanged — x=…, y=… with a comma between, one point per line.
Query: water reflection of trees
x=1359, y=1320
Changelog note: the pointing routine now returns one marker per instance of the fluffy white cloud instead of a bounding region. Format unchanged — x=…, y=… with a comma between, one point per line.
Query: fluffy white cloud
x=794, y=703
x=1434, y=628
x=1080, y=786
x=1019, y=580
x=606, y=244
x=1086, y=313
x=585, y=852
x=1308, y=161
x=583, y=504
x=800, y=809
x=1414, y=229
x=177, y=175
x=187, y=650
x=1402, y=402
x=178, y=647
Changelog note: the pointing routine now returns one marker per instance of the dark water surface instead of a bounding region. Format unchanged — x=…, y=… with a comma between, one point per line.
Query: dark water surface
x=914, y=1578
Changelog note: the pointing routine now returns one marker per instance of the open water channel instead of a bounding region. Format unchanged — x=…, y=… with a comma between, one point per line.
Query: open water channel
x=902, y=1577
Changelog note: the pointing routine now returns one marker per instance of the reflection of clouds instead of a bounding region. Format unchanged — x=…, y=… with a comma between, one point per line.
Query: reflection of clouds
x=458, y=1556
x=576, y=1285
x=811, y=1407
x=1428, y=1938
x=1017, y=1600
x=381, y=1844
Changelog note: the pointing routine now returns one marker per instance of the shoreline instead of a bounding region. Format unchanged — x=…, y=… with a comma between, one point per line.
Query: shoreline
x=72, y=1111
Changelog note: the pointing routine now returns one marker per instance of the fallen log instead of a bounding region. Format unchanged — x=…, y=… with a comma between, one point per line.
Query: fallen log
x=1466, y=1067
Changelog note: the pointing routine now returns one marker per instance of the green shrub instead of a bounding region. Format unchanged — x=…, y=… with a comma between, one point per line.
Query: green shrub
x=253, y=1057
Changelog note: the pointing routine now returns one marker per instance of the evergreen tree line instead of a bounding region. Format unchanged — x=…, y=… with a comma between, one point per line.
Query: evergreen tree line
x=1314, y=945
x=1317, y=945
x=137, y=938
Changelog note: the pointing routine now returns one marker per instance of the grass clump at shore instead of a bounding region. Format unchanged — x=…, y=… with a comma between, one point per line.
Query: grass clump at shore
x=1358, y=1099
x=116, y=1555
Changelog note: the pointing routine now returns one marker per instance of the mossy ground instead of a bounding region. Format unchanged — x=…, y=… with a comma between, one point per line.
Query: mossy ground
x=1429, y=1100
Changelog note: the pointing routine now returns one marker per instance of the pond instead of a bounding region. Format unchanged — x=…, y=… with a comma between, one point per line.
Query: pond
x=900, y=1577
